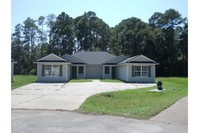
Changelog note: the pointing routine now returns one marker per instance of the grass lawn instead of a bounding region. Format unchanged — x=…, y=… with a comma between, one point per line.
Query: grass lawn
x=111, y=80
x=21, y=80
x=80, y=80
x=137, y=103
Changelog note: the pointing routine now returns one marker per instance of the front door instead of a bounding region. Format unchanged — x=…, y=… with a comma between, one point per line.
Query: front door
x=74, y=72
x=113, y=73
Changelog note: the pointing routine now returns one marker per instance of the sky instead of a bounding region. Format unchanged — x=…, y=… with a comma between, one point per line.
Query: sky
x=111, y=11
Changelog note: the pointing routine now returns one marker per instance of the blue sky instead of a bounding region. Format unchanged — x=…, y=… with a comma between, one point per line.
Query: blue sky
x=111, y=11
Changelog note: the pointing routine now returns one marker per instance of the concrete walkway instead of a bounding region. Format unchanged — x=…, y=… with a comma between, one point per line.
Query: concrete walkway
x=60, y=96
x=176, y=114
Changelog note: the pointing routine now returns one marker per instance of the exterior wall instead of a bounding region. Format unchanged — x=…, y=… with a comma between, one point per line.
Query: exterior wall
x=107, y=76
x=12, y=71
x=110, y=75
x=150, y=79
x=66, y=73
x=83, y=75
x=94, y=71
x=122, y=72
x=126, y=75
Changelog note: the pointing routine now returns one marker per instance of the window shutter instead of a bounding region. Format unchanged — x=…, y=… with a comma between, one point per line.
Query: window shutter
x=60, y=71
x=42, y=70
x=132, y=71
x=149, y=69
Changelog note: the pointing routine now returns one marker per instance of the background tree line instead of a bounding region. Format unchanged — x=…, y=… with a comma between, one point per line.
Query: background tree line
x=164, y=39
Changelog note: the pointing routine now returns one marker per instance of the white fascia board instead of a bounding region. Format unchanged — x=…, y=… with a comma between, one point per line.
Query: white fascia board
x=52, y=62
x=109, y=65
x=51, y=55
x=142, y=64
x=78, y=64
x=144, y=57
x=121, y=64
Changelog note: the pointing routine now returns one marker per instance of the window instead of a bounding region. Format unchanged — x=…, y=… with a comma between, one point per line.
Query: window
x=52, y=70
x=137, y=71
x=140, y=71
x=81, y=69
x=48, y=70
x=106, y=70
x=144, y=71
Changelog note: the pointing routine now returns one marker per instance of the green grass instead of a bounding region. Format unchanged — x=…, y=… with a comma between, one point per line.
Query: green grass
x=137, y=103
x=111, y=80
x=21, y=80
x=80, y=80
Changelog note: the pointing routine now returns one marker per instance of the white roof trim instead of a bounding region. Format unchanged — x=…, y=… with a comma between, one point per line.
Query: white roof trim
x=52, y=55
x=142, y=56
x=52, y=63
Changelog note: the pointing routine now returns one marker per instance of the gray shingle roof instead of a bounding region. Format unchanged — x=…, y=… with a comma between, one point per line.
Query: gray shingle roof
x=97, y=57
x=72, y=59
x=115, y=60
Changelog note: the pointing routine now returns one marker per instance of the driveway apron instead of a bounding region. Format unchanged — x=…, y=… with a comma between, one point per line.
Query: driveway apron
x=63, y=96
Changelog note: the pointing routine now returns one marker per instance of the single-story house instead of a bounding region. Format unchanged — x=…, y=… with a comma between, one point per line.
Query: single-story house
x=12, y=68
x=99, y=65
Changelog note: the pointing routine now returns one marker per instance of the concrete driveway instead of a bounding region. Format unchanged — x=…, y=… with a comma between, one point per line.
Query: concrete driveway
x=60, y=96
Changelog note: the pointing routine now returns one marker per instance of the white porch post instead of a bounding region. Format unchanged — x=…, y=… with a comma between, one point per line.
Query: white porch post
x=85, y=71
x=103, y=71
x=110, y=75
x=127, y=72
x=77, y=71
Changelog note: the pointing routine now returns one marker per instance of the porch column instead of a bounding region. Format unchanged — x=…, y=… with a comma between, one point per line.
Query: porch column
x=103, y=72
x=77, y=71
x=110, y=74
x=127, y=72
x=85, y=72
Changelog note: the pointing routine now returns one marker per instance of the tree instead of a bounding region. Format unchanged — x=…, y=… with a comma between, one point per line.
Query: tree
x=127, y=35
x=183, y=42
x=42, y=34
x=29, y=42
x=61, y=37
x=169, y=22
x=16, y=47
x=91, y=32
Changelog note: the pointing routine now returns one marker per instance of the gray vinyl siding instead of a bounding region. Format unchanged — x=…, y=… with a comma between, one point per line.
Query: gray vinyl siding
x=83, y=75
x=122, y=72
x=66, y=74
x=107, y=76
x=150, y=79
x=127, y=76
x=94, y=71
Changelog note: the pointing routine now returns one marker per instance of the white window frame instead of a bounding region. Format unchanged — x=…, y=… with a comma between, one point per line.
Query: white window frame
x=143, y=72
x=51, y=71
